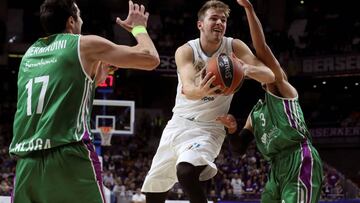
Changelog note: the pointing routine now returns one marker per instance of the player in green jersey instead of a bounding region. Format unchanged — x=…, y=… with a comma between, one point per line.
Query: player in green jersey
x=56, y=160
x=278, y=126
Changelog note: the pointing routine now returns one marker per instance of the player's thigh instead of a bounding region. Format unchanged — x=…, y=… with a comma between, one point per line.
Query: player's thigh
x=271, y=193
x=63, y=174
x=298, y=191
x=162, y=174
x=316, y=177
x=73, y=174
x=27, y=176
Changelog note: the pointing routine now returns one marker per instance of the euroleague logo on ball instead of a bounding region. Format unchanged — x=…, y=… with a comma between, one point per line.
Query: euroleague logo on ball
x=226, y=68
x=228, y=72
x=225, y=63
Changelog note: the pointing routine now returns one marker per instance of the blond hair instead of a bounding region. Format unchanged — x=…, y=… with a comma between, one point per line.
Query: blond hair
x=213, y=4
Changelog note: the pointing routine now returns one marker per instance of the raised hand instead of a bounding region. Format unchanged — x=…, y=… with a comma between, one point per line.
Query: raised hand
x=244, y=3
x=137, y=16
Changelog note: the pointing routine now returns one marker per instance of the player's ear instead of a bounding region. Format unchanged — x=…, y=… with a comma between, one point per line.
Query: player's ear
x=70, y=23
x=199, y=24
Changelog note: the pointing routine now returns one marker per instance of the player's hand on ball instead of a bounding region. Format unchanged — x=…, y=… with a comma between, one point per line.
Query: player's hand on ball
x=206, y=87
x=229, y=122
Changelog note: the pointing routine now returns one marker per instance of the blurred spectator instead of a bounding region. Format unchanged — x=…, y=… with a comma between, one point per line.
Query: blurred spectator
x=213, y=196
x=138, y=197
x=237, y=185
x=108, y=179
x=119, y=192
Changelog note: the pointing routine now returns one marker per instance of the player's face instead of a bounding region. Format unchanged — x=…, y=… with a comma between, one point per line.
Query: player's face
x=78, y=22
x=213, y=26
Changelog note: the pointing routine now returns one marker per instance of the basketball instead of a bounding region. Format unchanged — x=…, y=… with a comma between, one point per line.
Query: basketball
x=229, y=74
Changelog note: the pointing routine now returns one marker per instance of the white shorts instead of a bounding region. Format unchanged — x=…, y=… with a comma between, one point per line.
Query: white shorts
x=184, y=141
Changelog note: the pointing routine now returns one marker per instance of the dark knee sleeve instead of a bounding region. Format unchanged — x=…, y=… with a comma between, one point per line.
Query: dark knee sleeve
x=155, y=197
x=188, y=173
x=188, y=176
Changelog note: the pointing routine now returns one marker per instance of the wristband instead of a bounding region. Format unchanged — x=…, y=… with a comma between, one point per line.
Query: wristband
x=138, y=30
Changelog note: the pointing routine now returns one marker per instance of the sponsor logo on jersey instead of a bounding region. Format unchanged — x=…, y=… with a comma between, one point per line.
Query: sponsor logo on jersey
x=193, y=146
x=32, y=145
x=207, y=99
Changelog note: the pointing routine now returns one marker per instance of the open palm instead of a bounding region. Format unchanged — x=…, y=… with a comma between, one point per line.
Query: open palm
x=137, y=16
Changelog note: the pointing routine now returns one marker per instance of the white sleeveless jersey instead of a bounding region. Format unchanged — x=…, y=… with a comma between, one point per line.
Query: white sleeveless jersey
x=207, y=108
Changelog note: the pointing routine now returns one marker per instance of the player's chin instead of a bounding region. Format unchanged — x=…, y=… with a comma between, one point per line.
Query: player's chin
x=216, y=41
x=218, y=37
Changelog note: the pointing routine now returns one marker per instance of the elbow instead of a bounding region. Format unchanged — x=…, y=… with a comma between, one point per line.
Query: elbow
x=152, y=60
x=270, y=77
x=191, y=97
x=155, y=62
x=189, y=94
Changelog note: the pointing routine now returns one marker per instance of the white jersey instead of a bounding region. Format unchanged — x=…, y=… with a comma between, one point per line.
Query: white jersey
x=207, y=108
x=192, y=135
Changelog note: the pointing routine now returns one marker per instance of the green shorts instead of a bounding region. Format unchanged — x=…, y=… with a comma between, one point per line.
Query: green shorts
x=295, y=178
x=65, y=174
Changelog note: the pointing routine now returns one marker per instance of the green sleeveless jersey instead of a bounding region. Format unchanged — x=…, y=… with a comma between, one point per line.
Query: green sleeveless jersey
x=278, y=125
x=54, y=96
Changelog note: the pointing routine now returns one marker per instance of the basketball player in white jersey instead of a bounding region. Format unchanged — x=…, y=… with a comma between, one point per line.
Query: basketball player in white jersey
x=192, y=139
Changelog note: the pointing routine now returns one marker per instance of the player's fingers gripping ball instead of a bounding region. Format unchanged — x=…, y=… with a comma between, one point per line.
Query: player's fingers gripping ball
x=229, y=73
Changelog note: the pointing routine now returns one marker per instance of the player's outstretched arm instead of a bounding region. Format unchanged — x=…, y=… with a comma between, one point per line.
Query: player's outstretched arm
x=188, y=73
x=258, y=38
x=141, y=56
x=264, y=52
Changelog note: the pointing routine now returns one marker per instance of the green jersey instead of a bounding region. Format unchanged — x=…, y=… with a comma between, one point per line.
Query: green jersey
x=278, y=125
x=54, y=96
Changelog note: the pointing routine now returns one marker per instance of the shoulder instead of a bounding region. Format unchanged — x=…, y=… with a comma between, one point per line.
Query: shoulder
x=240, y=48
x=242, y=51
x=184, y=51
x=237, y=43
x=193, y=41
x=93, y=40
x=91, y=46
x=184, y=57
x=184, y=48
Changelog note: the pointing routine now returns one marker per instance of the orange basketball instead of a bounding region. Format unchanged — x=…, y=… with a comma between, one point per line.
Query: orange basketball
x=229, y=73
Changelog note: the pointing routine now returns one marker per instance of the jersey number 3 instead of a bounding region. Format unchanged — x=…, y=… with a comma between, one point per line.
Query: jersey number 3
x=262, y=118
x=44, y=80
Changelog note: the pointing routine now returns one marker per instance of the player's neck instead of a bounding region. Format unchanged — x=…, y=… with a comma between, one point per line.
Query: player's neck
x=209, y=47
